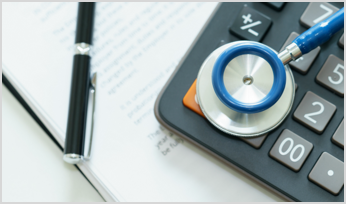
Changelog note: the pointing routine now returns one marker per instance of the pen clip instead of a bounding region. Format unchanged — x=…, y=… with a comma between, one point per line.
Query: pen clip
x=93, y=95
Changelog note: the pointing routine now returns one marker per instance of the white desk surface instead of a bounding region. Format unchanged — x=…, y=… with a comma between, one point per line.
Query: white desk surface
x=32, y=165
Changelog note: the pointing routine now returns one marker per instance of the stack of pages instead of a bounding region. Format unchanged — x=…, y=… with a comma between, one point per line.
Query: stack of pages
x=136, y=47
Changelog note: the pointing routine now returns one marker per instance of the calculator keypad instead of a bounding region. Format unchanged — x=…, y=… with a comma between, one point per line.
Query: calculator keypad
x=332, y=75
x=314, y=112
x=303, y=63
x=328, y=173
x=338, y=137
x=250, y=24
x=298, y=150
x=291, y=150
x=317, y=12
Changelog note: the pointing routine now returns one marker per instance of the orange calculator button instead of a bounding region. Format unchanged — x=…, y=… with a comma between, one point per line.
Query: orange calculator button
x=190, y=100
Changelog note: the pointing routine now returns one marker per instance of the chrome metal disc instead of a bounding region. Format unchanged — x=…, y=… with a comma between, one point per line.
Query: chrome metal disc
x=248, y=78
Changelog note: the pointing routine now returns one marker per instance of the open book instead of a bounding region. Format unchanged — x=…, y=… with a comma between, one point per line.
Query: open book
x=136, y=47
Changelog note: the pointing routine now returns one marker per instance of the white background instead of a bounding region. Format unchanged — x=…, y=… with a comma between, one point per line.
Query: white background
x=32, y=165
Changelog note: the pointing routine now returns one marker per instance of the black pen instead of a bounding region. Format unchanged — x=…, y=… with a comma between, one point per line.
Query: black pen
x=81, y=85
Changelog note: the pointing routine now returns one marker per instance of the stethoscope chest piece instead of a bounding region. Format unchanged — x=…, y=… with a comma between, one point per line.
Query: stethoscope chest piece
x=254, y=98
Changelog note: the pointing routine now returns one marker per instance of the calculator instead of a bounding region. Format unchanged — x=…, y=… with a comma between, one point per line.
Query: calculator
x=303, y=158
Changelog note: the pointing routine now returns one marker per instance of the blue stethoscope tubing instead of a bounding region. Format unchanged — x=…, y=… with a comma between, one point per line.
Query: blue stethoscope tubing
x=255, y=49
x=320, y=33
x=309, y=40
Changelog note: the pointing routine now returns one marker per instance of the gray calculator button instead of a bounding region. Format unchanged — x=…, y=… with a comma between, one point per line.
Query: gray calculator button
x=338, y=137
x=314, y=112
x=328, y=173
x=341, y=41
x=303, y=63
x=256, y=142
x=291, y=150
x=332, y=75
x=317, y=12
x=276, y=5
x=250, y=24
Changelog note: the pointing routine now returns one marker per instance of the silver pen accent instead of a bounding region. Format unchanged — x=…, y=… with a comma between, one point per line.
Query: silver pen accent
x=83, y=49
x=93, y=94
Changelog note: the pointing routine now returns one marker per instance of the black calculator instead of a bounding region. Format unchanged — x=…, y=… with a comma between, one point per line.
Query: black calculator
x=303, y=158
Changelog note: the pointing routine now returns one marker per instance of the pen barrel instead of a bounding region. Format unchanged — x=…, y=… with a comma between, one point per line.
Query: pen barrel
x=79, y=96
x=85, y=22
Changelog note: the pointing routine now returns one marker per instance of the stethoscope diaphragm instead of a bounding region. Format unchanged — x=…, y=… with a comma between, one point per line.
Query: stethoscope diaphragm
x=248, y=78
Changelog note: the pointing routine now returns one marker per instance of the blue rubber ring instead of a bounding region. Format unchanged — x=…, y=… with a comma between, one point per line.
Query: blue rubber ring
x=260, y=50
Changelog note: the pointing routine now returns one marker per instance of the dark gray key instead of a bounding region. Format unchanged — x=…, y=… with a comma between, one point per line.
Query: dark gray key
x=317, y=12
x=256, y=142
x=276, y=5
x=302, y=64
x=331, y=75
x=341, y=41
x=291, y=150
x=328, y=173
x=314, y=112
x=338, y=137
x=250, y=24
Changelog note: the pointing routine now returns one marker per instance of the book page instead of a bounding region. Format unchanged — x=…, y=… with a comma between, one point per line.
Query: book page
x=136, y=47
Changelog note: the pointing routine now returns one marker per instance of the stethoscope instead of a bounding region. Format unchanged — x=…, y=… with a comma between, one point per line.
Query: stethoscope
x=246, y=89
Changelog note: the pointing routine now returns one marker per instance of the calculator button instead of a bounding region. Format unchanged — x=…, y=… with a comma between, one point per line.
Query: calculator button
x=190, y=100
x=332, y=75
x=341, y=41
x=276, y=5
x=338, y=137
x=314, y=112
x=291, y=150
x=256, y=142
x=328, y=173
x=303, y=63
x=317, y=12
x=250, y=24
